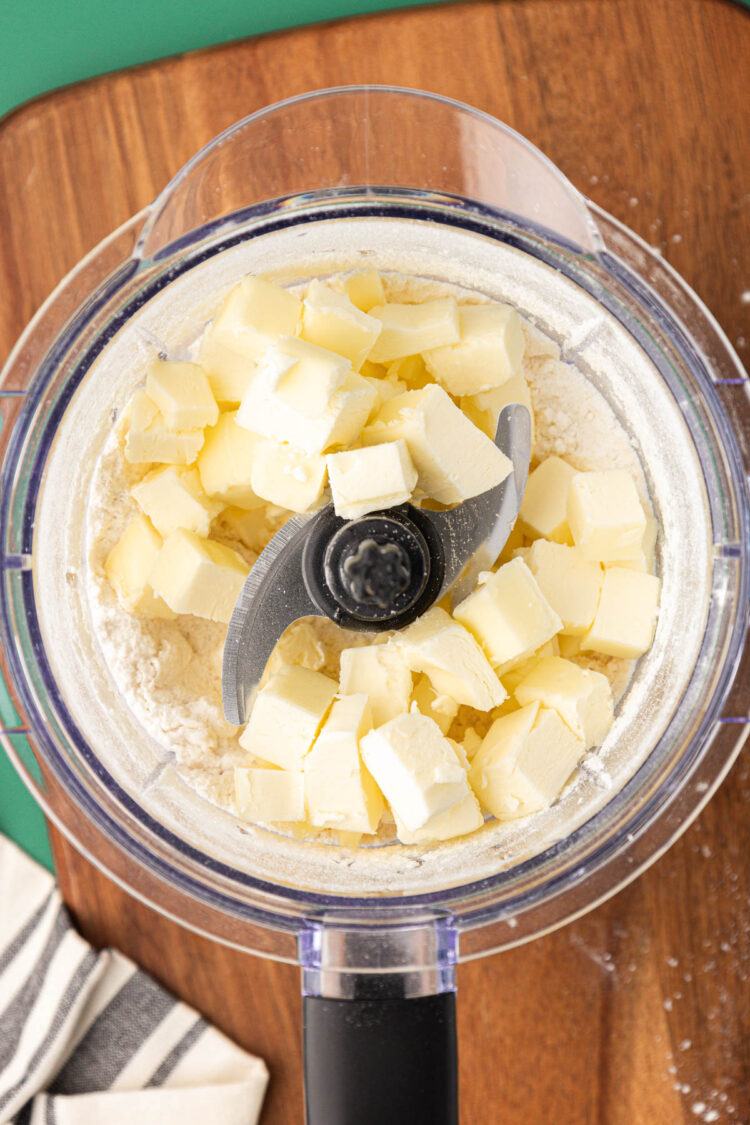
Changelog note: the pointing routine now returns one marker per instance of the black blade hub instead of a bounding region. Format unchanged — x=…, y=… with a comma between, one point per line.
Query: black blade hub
x=374, y=573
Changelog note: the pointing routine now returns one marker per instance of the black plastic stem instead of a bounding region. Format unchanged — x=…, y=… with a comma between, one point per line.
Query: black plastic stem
x=381, y=1061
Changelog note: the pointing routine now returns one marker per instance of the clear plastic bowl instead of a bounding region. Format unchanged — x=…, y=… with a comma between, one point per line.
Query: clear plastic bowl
x=387, y=176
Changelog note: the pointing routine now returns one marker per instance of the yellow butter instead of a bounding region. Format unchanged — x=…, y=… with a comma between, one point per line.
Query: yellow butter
x=128, y=567
x=458, y=820
x=408, y=329
x=626, y=618
x=269, y=795
x=487, y=354
x=369, y=479
x=364, y=288
x=570, y=582
x=449, y=655
x=253, y=316
x=288, y=477
x=453, y=458
x=379, y=671
x=173, y=497
x=581, y=697
x=439, y=706
x=183, y=394
x=286, y=716
x=302, y=374
x=509, y=615
x=544, y=508
x=198, y=576
x=340, y=792
x=483, y=409
x=605, y=516
x=331, y=320
x=226, y=462
x=150, y=438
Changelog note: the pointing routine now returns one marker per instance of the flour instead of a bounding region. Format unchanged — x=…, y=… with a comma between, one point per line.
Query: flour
x=170, y=671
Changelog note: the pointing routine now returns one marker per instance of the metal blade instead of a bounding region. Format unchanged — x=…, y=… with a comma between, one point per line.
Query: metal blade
x=273, y=597
x=475, y=533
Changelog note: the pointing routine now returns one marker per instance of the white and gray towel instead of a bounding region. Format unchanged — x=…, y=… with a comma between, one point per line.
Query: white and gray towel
x=87, y=1038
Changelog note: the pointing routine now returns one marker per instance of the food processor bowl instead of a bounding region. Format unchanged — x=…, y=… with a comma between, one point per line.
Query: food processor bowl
x=416, y=183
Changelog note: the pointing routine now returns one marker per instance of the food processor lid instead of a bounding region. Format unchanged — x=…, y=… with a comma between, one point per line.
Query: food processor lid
x=380, y=571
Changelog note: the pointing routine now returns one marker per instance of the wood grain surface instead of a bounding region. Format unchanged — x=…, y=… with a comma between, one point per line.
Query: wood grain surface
x=639, y=1013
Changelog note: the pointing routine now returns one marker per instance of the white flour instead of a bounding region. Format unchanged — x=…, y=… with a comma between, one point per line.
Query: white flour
x=170, y=671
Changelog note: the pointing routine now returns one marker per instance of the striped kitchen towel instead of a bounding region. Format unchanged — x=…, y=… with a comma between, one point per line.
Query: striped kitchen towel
x=87, y=1038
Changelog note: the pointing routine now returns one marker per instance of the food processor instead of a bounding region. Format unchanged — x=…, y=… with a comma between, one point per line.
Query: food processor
x=411, y=182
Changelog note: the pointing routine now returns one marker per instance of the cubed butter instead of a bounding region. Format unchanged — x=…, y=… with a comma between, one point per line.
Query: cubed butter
x=364, y=288
x=269, y=795
x=457, y=820
x=228, y=372
x=416, y=768
x=411, y=371
x=439, y=706
x=449, y=655
x=369, y=479
x=150, y=438
x=340, y=423
x=544, y=508
x=302, y=374
x=253, y=528
x=509, y=615
x=408, y=329
x=286, y=716
x=198, y=576
x=483, y=409
x=254, y=315
x=128, y=567
x=226, y=463
x=570, y=582
x=626, y=618
x=581, y=697
x=339, y=789
x=487, y=354
x=605, y=516
x=332, y=321
x=286, y=476
x=379, y=671
x=524, y=762
x=385, y=389
x=513, y=676
x=644, y=559
x=172, y=497
x=183, y=394
x=453, y=458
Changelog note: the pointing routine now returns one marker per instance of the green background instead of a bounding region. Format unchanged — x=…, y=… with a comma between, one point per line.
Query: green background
x=50, y=43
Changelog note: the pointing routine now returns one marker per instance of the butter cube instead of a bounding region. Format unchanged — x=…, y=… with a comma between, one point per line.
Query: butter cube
x=331, y=320
x=445, y=651
x=253, y=528
x=269, y=415
x=303, y=375
x=253, y=316
x=644, y=559
x=417, y=769
x=198, y=576
x=411, y=371
x=457, y=820
x=524, y=762
x=509, y=615
x=128, y=567
x=439, y=706
x=514, y=676
x=365, y=289
x=453, y=458
x=339, y=790
x=581, y=697
x=385, y=389
x=483, y=409
x=150, y=439
x=408, y=329
x=183, y=395
x=173, y=498
x=228, y=372
x=226, y=463
x=569, y=581
x=288, y=712
x=269, y=795
x=288, y=477
x=626, y=618
x=369, y=479
x=379, y=671
x=544, y=508
x=488, y=353
x=606, y=517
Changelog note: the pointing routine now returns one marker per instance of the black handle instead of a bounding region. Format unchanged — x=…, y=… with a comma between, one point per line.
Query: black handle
x=375, y=1061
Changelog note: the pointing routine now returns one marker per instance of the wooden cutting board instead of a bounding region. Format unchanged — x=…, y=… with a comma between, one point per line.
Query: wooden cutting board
x=640, y=1012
